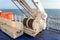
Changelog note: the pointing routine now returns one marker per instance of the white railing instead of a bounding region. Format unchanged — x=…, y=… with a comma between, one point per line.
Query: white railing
x=53, y=22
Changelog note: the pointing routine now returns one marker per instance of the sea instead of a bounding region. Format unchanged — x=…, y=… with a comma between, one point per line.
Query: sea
x=55, y=13
x=50, y=12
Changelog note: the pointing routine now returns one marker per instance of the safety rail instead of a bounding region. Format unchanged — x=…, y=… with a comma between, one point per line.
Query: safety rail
x=53, y=22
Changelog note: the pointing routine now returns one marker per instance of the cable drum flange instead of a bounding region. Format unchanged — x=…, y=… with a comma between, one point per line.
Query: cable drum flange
x=30, y=23
x=24, y=22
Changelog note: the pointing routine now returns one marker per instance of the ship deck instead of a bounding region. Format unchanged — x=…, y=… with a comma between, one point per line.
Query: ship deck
x=44, y=35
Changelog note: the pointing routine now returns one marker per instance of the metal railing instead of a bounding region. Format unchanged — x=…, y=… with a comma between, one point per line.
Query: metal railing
x=53, y=22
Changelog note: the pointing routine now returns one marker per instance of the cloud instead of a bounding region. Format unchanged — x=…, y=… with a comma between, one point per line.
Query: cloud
x=51, y=4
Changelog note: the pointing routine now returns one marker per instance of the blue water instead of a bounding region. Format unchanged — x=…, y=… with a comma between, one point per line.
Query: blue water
x=53, y=12
x=50, y=12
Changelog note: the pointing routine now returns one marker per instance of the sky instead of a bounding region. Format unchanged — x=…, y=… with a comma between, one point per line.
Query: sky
x=47, y=4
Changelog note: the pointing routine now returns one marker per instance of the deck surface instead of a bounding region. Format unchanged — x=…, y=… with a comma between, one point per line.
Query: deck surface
x=44, y=35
